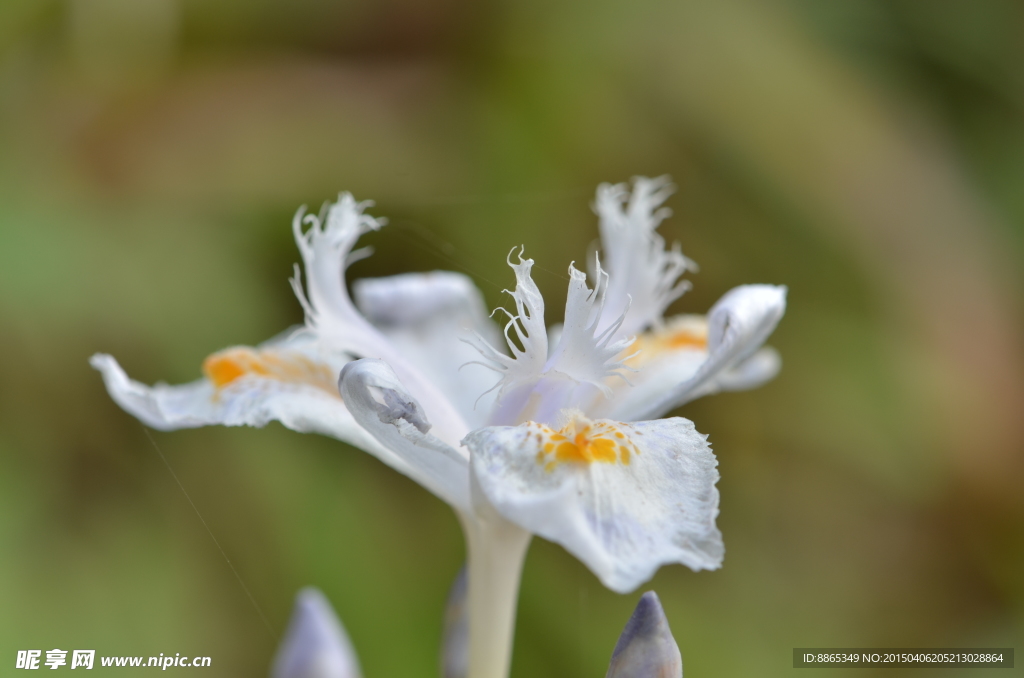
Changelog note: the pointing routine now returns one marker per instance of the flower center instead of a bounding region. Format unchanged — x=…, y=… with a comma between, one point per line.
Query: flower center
x=581, y=441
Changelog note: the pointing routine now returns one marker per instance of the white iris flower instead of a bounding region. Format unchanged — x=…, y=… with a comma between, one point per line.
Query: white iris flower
x=565, y=444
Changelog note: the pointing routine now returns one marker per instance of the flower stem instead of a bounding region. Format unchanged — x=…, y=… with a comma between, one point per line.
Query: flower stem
x=497, y=549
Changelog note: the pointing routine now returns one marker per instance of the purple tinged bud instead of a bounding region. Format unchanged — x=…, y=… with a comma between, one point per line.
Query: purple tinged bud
x=646, y=648
x=315, y=644
x=455, y=642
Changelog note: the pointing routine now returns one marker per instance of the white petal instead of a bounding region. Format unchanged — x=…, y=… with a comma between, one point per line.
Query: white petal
x=582, y=355
x=643, y=273
x=519, y=372
x=429, y=317
x=285, y=382
x=381, y=405
x=623, y=505
x=326, y=247
x=752, y=372
x=527, y=362
x=737, y=326
x=315, y=644
x=578, y=366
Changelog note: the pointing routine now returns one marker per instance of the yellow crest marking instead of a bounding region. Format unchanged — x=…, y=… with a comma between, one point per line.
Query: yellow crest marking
x=683, y=333
x=581, y=441
x=227, y=366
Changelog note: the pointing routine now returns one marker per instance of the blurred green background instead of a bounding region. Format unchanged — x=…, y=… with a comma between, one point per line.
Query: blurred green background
x=869, y=155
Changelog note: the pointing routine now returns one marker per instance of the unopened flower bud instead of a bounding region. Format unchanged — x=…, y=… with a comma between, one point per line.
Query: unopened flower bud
x=315, y=644
x=455, y=641
x=646, y=648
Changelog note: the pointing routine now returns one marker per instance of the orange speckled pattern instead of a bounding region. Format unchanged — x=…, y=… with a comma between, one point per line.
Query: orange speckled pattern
x=581, y=441
x=227, y=366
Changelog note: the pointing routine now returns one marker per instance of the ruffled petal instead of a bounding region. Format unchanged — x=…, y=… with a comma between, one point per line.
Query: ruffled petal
x=429, y=318
x=623, y=498
x=315, y=644
x=643, y=274
x=380, y=403
x=576, y=370
x=530, y=351
x=582, y=355
x=692, y=357
x=326, y=247
x=287, y=382
x=520, y=372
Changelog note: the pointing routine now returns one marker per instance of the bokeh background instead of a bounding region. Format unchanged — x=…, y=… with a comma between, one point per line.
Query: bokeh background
x=868, y=154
